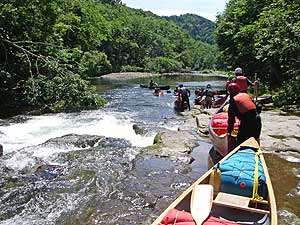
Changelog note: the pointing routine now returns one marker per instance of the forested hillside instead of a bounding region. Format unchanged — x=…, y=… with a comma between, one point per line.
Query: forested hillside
x=262, y=36
x=49, y=48
x=199, y=28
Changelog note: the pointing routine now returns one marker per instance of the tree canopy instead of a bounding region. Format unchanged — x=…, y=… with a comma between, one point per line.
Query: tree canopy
x=199, y=28
x=50, y=48
x=262, y=36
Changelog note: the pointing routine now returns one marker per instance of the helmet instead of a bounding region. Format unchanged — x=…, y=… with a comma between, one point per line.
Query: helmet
x=233, y=88
x=238, y=70
x=181, y=85
x=208, y=86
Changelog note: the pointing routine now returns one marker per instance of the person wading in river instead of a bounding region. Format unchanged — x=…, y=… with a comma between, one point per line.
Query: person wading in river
x=242, y=106
x=183, y=96
x=209, y=97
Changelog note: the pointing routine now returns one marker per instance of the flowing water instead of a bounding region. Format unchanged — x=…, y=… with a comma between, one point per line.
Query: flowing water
x=89, y=167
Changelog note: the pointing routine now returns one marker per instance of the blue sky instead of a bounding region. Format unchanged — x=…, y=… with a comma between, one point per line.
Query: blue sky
x=205, y=8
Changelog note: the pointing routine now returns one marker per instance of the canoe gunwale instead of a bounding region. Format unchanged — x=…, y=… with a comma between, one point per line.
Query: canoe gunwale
x=251, y=142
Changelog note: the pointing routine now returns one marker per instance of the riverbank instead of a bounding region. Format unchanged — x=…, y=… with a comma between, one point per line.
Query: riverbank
x=280, y=133
x=134, y=75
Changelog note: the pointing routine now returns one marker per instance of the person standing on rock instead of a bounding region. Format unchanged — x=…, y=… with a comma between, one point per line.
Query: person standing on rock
x=242, y=106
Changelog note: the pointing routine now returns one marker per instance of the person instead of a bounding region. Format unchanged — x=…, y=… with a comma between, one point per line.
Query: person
x=209, y=97
x=241, y=80
x=176, y=91
x=199, y=96
x=157, y=91
x=183, y=96
x=242, y=107
x=1, y=150
x=152, y=83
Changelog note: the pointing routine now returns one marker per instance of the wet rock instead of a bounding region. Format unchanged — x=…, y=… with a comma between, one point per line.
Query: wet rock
x=1, y=150
x=138, y=130
x=80, y=141
x=46, y=171
x=279, y=132
x=177, y=145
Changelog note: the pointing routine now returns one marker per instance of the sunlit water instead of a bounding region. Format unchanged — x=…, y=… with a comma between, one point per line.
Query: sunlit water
x=111, y=182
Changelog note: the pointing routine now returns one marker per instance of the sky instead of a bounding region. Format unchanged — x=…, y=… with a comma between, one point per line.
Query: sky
x=205, y=8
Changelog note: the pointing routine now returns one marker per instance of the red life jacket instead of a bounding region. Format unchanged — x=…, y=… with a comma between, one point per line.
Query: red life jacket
x=242, y=82
x=244, y=103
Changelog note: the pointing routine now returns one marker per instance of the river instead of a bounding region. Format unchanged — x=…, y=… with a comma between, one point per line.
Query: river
x=89, y=167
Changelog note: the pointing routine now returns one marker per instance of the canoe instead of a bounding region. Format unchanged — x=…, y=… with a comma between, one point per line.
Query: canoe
x=229, y=208
x=217, y=129
x=166, y=87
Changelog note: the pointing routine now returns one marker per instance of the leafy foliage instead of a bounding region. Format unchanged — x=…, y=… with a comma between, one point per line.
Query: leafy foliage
x=163, y=65
x=199, y=28
x=54, y=45
x=262, y=36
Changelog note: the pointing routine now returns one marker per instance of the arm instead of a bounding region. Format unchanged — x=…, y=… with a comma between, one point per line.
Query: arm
x=250, y=83
x=231, y=115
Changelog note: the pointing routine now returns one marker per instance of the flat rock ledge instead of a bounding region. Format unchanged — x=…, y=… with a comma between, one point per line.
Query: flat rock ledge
x=178, y=145
x=280, y=133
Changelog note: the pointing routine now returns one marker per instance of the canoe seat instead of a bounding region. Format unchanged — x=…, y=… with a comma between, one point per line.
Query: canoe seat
x=238, y=202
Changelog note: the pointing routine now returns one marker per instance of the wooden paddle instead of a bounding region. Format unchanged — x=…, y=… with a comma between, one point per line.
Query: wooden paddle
x=201, y=202
x=255, y=87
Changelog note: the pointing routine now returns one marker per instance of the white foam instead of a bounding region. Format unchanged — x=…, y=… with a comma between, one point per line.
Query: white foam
x=39, y=129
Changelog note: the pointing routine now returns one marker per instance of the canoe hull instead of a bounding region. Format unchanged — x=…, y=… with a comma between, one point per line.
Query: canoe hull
x=265, y=212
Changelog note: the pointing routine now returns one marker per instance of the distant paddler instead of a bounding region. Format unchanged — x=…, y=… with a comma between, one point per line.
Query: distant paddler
x=152, y=84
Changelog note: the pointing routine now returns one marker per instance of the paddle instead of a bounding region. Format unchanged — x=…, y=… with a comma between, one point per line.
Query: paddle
x=255, y=87
x=201, y=202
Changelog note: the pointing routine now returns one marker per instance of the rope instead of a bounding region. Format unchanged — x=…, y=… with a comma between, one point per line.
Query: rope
x=255, y=195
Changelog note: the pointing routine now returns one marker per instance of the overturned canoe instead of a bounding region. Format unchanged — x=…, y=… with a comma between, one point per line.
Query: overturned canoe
x=227, y=207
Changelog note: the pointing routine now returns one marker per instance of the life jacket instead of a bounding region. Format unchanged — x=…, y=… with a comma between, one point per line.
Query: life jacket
x=244, y=103
x=183, y=91
x=242, y=82
x=209, y=93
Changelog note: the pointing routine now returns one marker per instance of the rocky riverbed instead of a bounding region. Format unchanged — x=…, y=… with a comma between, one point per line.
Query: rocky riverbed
x=280, y=133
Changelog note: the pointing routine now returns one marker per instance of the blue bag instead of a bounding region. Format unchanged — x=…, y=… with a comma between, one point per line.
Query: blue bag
x=237, y=174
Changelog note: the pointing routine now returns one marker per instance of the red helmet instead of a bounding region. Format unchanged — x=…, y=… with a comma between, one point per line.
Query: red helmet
x=233, y=88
